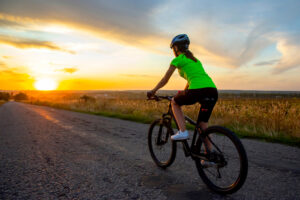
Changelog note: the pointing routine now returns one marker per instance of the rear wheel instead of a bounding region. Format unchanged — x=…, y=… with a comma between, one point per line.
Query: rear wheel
x=162, y=148
x=228, y=167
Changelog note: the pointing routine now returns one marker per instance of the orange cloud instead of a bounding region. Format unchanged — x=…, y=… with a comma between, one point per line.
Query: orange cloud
x=11, y=79
x=6, y=57
x=70, y=70
x=24, y=43
x=2, y=65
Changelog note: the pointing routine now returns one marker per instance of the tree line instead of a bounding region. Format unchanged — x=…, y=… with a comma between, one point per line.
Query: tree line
x=6, y=96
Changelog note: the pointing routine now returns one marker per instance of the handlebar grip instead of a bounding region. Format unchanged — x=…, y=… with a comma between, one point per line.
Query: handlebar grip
x=158, y=98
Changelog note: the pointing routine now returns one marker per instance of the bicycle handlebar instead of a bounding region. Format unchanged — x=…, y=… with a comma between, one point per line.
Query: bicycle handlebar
x=158, y=98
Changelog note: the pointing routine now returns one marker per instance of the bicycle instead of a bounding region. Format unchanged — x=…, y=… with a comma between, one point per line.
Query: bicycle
x=220, y=157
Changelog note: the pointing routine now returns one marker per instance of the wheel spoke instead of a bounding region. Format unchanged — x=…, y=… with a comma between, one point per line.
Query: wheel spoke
x=228, y=169
x=161, y=146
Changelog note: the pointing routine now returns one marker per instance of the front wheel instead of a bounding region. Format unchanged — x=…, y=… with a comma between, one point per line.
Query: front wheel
x=228, y=163
x=161, y=147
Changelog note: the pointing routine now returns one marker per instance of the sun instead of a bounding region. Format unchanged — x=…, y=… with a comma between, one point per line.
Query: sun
x=45, y=84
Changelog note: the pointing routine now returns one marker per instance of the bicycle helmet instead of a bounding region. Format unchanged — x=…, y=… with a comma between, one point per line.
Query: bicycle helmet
x=181, y=39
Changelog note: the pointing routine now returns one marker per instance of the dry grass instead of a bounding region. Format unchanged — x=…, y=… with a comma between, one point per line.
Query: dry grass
x=275, y=119
x=261, y=116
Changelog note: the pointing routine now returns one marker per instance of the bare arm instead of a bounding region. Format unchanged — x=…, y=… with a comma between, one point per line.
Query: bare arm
x=165, y=79
x=186, y=86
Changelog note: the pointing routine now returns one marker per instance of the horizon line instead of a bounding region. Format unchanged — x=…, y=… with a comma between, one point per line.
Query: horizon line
x=297, y=91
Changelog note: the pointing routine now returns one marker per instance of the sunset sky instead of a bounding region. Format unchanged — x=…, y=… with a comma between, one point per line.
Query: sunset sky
x=124, y=44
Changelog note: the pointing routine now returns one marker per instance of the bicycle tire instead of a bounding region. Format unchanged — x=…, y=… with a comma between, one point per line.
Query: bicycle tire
x=243, y=161
x=151, y=143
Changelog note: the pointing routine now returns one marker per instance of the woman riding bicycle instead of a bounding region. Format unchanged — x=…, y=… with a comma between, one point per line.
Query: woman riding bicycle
x=199, y=88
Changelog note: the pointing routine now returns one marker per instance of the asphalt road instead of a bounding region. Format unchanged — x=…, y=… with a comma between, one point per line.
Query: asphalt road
x=47, y=153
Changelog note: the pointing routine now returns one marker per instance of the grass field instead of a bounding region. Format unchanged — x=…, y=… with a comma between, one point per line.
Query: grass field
x=268, y=118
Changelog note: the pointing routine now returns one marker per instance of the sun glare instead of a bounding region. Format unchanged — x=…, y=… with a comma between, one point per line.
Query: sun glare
x=45, y=84
x=56, y=29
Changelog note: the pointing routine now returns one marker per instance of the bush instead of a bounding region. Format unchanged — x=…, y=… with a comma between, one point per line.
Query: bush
x=86, y=98
x=4, y=96
x=20, y=96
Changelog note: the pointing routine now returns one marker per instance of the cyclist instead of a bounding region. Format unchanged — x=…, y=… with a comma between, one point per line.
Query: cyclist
x=199, y=88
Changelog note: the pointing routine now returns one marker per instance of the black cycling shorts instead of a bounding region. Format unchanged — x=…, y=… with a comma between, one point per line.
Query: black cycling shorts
x=207, y=97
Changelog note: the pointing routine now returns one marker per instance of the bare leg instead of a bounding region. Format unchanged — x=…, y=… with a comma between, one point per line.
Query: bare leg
x=179, y=117
x=204, y=126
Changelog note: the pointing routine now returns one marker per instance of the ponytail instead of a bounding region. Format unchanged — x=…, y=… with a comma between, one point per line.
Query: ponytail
x=187, y=52
x=190, y=55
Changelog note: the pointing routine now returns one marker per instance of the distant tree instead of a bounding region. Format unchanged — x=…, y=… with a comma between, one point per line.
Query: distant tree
x=20, y=96
x=86, y=98
x=4, y=96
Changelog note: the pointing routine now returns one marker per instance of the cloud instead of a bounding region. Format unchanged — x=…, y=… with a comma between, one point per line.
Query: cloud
x=289, y=47
x=24, y=43
x=14, y=78
x=11, y=74
x=268, y=62
x=227, y=34
x=7, y=57
x=244, y=81
x=9, y=23
x=70, y=70
x=2, y=64
x=234, y=33
x=230, y=46
x=256, y=41
x=128, y=20
x=11, y=79
x=6, y=70
x=214, y=57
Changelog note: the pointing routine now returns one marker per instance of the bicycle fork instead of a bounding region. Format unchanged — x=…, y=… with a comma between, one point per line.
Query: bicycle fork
x=188, y=152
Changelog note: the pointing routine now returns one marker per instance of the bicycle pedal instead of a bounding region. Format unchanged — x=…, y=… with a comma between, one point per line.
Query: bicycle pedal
x=208, y=164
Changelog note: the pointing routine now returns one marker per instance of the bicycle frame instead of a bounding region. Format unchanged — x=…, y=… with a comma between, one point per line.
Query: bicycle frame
x=186, y=148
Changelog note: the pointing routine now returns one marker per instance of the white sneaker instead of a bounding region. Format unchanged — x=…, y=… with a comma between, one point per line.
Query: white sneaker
x=180, y=135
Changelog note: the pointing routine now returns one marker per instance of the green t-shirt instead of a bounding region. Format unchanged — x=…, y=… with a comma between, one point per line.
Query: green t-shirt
x=193, y=72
